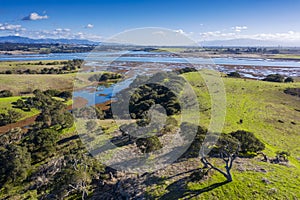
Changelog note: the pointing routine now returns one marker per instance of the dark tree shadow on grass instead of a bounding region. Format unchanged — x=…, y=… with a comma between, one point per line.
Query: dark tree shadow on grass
x=178, y=190
x=206, y=189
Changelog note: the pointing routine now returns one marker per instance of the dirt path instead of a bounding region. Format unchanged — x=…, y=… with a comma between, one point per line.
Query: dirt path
x=23, y=123
x=80, y=102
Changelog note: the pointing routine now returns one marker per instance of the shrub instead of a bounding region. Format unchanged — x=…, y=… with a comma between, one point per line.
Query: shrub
x=52, y=93
x=15, y=161
x=65, y=95
x=225, y=143
x=149, y=144
x=6, y=93
x=282, y=155
x=248, y=142
x=274, y=78
x=289, y=80
x=104, y=77
x=186, y=70
x=170, y=126
x=11, y=117
x=234, y=74
x=42, y=143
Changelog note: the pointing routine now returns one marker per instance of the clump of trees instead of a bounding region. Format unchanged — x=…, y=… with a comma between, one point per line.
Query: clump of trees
x=53, y=112
x=145, y=92
x=248, y=142
x=278, y=78
x=150, y=94
x=12, y=136
x=186, y=70
x=76, y=176
x=234, y=74
x=11, y=116
x=36, y=161
x=46, y=47
x=289, y=80
x=15, y=162
x=42, y=143
x=274, y=78
x=6, y=93
x=66, y=95
x=70, y=66
x=105, y=77
x=227, y=148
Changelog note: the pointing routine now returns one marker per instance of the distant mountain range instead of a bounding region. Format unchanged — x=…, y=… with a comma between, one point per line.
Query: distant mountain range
x=225, y=43
x=26, y=40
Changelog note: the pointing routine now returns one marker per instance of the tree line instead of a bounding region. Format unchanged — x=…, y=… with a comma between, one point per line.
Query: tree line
x=69, y=67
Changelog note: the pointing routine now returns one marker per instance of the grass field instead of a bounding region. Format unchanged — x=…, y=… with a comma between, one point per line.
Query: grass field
x=286, y=56
x=260, y=105
x=32, y=65
x=6, y=103
x=27, y=82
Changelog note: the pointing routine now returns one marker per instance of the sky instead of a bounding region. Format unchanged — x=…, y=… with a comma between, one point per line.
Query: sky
x=201, y=20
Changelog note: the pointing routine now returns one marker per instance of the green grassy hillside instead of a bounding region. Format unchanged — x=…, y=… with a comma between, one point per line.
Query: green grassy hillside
x=256, y=106
x=273, y=117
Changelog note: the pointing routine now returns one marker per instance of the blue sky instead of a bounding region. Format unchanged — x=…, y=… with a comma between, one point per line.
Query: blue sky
x=200, y=20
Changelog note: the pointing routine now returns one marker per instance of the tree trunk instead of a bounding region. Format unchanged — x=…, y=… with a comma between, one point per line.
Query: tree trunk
x=229, y=176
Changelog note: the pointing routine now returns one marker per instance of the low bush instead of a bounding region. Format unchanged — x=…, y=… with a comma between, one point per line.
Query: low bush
x=6, y=93
x=149, y=144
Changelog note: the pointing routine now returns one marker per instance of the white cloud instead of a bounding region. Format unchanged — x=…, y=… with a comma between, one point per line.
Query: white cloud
x=288, y=36
x=212, y=35
x=10, y=27
x=62, y=33
x=35, y=16
x=239, y=28
x=182, y=32
x=89, y=26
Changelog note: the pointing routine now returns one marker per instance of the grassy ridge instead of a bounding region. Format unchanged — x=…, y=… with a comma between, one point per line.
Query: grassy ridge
x=260, y=105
